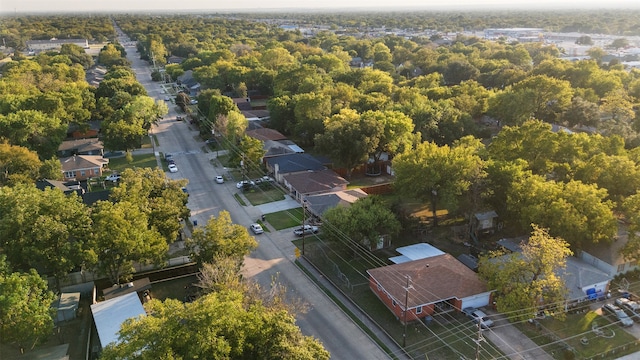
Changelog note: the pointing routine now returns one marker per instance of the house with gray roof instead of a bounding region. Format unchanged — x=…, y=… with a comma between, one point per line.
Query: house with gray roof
x=283, y=165
x=89, y=146
x=319, y=203
x=303, y=184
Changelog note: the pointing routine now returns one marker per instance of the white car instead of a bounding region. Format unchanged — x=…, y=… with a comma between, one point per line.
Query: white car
x=306, y=230
x=173, y=168
x=256, y=228
x=245, y=184
x=478, y=316
x=113, y=177
x=219, y=179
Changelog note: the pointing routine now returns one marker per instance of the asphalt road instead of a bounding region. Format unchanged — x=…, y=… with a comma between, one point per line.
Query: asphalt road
x=275, y=254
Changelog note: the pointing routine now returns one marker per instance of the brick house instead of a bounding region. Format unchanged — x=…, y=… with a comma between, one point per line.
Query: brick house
x=437, y=285
x=307, y=183
x=82, y=167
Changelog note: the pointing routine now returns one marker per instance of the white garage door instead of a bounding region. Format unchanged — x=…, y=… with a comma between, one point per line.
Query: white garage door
x=476, y=301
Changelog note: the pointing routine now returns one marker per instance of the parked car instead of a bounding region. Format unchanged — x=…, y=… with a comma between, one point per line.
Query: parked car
x=173, y=168
x=245, y=184
x=256, y=228
x=219, y=179
x=185, y=190
x=113, y=177
x=171, y=161
x=617, y=313
x=631, y=307
x=305, y=230
x=193, y=102
x=478, y=316
x=167, y=98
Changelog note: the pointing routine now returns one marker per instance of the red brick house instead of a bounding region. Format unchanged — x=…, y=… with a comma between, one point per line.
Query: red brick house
x=437, y=284
x=82, y=167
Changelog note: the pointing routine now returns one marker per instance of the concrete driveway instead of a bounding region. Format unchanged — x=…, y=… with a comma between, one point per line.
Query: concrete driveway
x=511, y=341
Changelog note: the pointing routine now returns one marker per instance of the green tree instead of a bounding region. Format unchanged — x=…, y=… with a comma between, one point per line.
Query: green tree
x=220, y=237
x=529, y=280
x=349, y=138
x=26, y=316
x=34, y=130
x=363, y=225
x=37, y=235
x=631, y=211
x=575, y=211
x=160, y=198
x=310, y=110
x=218, y=326
x=436, y=173
x=120, y=237
x=18, y=165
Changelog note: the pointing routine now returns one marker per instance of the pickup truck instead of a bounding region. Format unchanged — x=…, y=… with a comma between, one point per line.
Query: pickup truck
x=305, y=230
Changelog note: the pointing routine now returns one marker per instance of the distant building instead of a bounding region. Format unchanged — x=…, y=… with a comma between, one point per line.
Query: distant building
x=53, y=44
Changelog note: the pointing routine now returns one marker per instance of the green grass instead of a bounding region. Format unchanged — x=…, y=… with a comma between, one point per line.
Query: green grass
x=146, y=142
x=285, y=219
x=140, y=161
x=172, y=289
x=578, y=326
x=239, y=199
x=259, y=195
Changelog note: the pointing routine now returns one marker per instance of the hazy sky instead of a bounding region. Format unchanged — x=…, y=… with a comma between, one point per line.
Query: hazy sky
x=30, y=6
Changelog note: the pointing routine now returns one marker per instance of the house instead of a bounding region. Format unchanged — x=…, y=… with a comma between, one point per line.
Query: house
x=435, y=285
x=582, y=279
x=90, y=146
x=82, y=167
x=275, y=144
x=307, y=183
x=66, y=187
x=188, y=83
x=319, y=203
x=109, y=315
x=75, y=131
x=283, y=165
x=607, y=257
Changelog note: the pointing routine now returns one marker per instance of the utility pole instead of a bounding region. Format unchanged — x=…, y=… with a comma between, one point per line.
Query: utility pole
x=478, y=340
x=304, y=215
x=406, y=304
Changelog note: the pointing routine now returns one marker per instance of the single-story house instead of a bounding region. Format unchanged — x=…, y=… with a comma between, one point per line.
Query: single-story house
x=65, y=186
x=283, y=165
x=607, y=257
x=319, y=203
x=66, y=306
x=275, y=144
x=82, y=167
x=306, y=183
x=416, y=289
x=188, y=83
x=89, y=146
x=582, y=279
x=109, y=315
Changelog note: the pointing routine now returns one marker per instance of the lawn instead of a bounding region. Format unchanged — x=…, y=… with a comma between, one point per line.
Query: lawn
x=577, y=328
x=258, y=195
x=139, y=161
x=285, y=219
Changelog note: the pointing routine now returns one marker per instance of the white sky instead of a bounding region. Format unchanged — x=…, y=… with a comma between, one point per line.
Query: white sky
x=32, y=6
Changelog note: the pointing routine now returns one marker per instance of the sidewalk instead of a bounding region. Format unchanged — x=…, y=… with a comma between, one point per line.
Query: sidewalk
x=369, y=324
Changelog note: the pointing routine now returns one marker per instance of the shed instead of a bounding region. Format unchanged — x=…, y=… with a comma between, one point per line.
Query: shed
x=67, y=306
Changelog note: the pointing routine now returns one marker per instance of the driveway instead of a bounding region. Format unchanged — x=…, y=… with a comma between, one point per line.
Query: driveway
x=513, y=343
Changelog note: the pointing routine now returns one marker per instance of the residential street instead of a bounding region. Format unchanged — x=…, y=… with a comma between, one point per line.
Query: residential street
x=275, y=255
